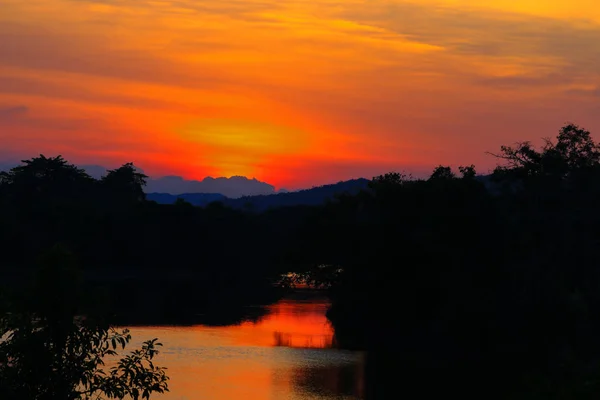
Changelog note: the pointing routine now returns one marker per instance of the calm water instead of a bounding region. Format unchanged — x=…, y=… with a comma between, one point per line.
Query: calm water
x=287, y=354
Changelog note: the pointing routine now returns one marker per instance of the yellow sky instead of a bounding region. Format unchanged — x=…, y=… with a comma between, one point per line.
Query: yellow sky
x=295, y=93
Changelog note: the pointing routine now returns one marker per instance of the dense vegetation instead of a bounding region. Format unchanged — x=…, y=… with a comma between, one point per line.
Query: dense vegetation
x=466, y=284
x=452, y=283
x=260, y=203
x=51, y=349
x=186, y=254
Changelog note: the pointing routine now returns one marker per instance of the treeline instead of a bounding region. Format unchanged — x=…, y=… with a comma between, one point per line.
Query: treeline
x=184, y=255
x=260, y=203
x=452, y=283
x=456, y=287
x=108, y=223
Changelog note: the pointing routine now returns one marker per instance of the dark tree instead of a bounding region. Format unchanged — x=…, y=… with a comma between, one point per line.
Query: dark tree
x=574, y=151
x=50, y=352
x=126, y=183
x=468, y=172
x=43, y=180
x=442, y=173
x=451, y=283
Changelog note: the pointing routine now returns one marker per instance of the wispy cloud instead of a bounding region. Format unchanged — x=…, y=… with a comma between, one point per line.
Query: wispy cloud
x=379, y=84
x=10, y=113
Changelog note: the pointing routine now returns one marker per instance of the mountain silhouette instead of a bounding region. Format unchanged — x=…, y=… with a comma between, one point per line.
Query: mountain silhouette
x=197, y=199
x=314, y=196
x=234, y=187
x=237, y=191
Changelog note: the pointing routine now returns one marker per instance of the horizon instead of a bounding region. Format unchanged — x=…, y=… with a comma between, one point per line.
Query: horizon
x=176, y=182
x=239, y=185
x=293, y=93
x=98, y=171
x=301, y=199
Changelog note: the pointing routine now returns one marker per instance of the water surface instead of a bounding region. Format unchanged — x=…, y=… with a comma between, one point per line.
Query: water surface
x=287, y=354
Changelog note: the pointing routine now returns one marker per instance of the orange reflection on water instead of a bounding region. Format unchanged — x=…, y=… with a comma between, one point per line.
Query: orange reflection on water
x=287, y=354
x=292, y=323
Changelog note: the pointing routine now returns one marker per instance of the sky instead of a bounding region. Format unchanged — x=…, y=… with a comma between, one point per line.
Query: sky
x=296, y=93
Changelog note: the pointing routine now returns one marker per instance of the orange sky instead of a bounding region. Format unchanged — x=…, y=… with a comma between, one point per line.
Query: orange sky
x=292, y=92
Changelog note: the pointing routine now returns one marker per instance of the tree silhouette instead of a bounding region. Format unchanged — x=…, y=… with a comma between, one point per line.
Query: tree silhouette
x=442, y=173
x=451, y=280
x=495, y=279
x=126, y=183
x=573, y=152
x=49, y=352
x=468, y=172
x=44, y=180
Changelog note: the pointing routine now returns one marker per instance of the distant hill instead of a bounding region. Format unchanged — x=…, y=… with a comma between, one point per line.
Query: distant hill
x=315, y=196
x=197, y=199
x=233, y=187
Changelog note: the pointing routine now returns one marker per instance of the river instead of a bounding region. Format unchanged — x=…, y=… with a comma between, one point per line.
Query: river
x=287, y=354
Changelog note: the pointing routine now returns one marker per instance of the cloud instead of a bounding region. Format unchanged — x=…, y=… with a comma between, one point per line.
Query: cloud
x=231, y=7
x=11, y=113
x=95, y=54
x=100, y=94
x=492, y=34
x=376, y=84
x=21, y=117
x=592, y=93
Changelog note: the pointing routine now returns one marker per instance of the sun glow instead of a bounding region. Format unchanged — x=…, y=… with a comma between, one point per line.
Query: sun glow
x=295, y=93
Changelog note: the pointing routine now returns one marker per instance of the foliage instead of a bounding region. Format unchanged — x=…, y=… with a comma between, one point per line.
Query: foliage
x=126, y=182
x=470, y=281
x=573, y=152
x=49, y=352
x=42, y=174
x=44, y=182
x=459, y=278
x=442, y=173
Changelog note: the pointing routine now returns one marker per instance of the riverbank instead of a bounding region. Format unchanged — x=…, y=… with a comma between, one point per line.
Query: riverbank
x=287, y=353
